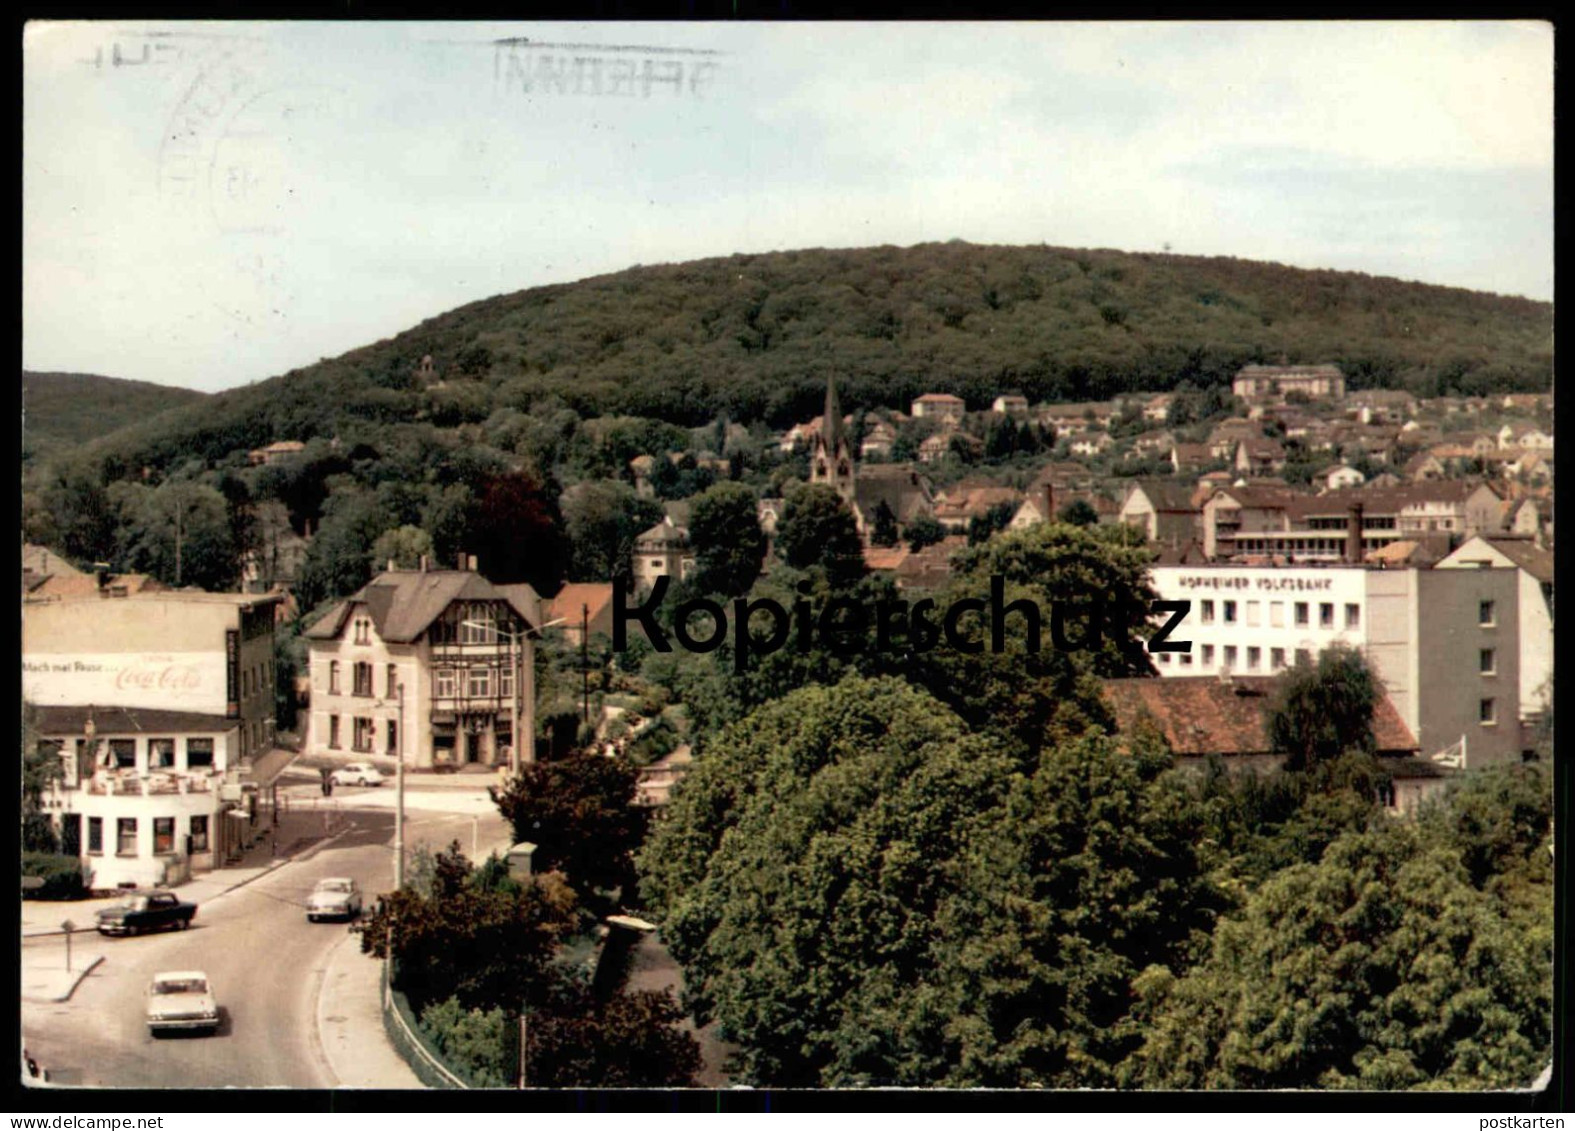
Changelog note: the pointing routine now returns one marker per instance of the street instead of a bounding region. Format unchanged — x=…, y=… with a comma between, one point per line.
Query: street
x=264, y=960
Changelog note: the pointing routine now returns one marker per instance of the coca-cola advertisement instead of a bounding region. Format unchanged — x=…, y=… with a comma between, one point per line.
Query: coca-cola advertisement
x=179, y=681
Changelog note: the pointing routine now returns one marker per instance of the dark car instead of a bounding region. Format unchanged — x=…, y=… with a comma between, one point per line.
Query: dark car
x=154, y=911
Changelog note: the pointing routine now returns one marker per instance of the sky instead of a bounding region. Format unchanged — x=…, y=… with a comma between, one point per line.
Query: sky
x=210, y=204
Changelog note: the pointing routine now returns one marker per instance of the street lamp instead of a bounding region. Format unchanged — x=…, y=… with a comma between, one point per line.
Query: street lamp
x=516, y=643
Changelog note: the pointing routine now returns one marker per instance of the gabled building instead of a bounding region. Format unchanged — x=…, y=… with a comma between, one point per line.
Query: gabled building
x=431, y=667
x=940, y=406
x=1163, y=510
x=662, y=551
x=1010, y=404
x=1275, y=382
x=161, y=707
x=1534, y=608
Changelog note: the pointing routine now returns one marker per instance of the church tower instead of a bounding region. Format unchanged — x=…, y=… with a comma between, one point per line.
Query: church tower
x=830, y=454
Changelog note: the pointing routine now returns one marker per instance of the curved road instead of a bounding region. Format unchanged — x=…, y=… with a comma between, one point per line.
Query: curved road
x=266, y=964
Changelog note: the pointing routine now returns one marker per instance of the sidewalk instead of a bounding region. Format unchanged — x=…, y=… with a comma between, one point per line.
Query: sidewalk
x=350, y=1022
x=299, y=837
x=44, y=974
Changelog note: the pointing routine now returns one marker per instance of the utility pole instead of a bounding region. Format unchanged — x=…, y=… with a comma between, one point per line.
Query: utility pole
x=585, y=666
x=517, y=639
x=399, y=796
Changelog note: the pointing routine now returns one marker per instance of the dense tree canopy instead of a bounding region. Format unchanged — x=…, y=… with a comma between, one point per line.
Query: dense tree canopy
x=730, y=547
x=818, y=530
x=863, y=893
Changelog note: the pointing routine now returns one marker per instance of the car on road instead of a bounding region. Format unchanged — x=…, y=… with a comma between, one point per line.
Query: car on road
x=149, y=911
x=336, y=897
x=182, y=1001
x=357, y=773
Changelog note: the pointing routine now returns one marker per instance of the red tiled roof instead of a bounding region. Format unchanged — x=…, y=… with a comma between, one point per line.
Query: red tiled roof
x=1201, y=715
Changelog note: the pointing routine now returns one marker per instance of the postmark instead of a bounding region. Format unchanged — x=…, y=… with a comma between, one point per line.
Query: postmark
x=226, y=169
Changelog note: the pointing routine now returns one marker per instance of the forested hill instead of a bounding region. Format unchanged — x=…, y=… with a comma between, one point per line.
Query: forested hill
x=756, y=335
x=66, y=409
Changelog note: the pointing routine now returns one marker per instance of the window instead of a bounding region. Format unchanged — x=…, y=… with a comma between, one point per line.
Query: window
x=443, y=683
x=477, y=627
x=1186, y=659
x=478, y=683
x=1164, y=657
x=1230, y=656
x=393, y=680
x=161, y=753
x=363, y=680
x=1276, y=614
x=1326, y=614
x=1208, y=612
x=363, y=631
x=124, y=751
x=1208, y=655
x=333, y=732
x=199, y=833
x=333, y=677
x=96, y=835
x=1353, y=616
x=199, y=753
x=393, y=739
x=1487, y=712
x=163, y=834
x=1230, y=612
x=1253, y=613
x=506, y=681
x=1254, y=658
x=126, y=836
x=362, y=737
x=1485, y=660
x=1276, y=658
x=1485, y=613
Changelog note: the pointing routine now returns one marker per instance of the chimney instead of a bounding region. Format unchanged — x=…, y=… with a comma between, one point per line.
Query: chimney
x=1049, y=501
x=463, y=558
x=1353, y=535
x=101, y=572
x=472, y=560
x=390, y=565
x=426, y=563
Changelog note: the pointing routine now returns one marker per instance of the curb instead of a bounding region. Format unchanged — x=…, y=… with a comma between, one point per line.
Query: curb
x=274, y=866
x=75, y=982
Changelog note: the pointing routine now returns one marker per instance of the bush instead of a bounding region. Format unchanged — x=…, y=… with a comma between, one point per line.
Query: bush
x=63, y=876
x=474, y=1043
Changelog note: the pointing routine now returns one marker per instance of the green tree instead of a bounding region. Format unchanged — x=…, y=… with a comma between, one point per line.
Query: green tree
x=1079, y=512
x=817, y=529
x=472, y=935
x=883, y=527
x=629, y=1039
x=863, y=893
x=1321, y=710
x=730, y=547
x=516, y=531
x=1378, y=967
x=924, y=531
x=41, y=771
x=983, y=527
x=405, y=546
x=179, y=532
x=580, y=813
x=602, y=520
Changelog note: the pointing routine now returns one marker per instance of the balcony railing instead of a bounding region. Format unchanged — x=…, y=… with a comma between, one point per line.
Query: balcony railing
x=129, y=785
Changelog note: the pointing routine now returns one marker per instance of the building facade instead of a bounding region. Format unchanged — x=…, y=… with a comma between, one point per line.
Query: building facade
x=428, y=667
x=160, y=706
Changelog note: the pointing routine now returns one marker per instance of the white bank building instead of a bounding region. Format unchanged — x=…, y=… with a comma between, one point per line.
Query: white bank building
x=1254, y=620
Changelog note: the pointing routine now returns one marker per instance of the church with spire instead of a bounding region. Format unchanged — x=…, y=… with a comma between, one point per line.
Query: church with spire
x=896, y=486
x=831, y=452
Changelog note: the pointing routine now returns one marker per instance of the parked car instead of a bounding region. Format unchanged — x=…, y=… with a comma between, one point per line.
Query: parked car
x=357, y=773
x=181, y=1000
x=334, y=898
x=153, y=911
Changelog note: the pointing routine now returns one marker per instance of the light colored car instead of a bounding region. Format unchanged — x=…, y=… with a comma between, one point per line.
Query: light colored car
x=335, y=898
x=357, y=773
x=181, y=1000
